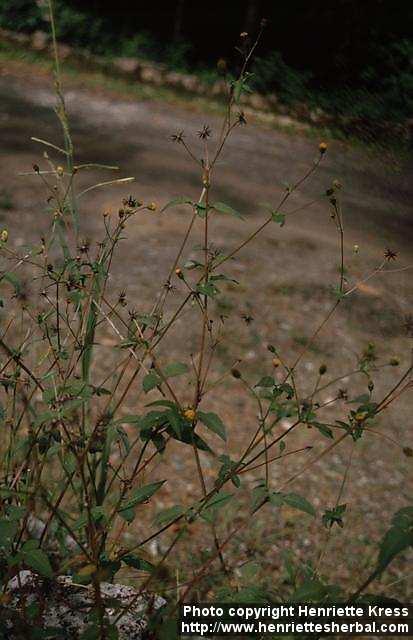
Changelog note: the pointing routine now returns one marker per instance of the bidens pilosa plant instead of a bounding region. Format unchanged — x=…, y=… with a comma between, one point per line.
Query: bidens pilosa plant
x=81, y=442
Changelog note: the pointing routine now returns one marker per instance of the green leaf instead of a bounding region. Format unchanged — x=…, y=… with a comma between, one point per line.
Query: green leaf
x=175, y=369
x=278, y=217
x=298, y=502
x=134, y=561
x=142, y=494
x=37, y=560
x=311, y=590
x=395, y=541
x=225, y=208
x=150, y=381
x=323, y=429
x=193, y=264
x=213, y=422
x=169, y=515
x=162, y=403
x=334, y=516
x=218, y=499
x=207, y=289
x=266, y=381
x=259, y=496
x=176, y=201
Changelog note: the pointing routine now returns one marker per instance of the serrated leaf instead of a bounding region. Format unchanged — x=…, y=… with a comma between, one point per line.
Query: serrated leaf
x=150, y=381
x=298, y=502
x=225, y=208
x=213, y=422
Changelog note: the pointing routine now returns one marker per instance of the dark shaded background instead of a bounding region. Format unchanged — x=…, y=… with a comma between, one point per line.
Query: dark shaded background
x=350, y=56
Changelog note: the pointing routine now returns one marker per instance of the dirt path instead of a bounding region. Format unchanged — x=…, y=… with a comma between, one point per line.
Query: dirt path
x=285, y=276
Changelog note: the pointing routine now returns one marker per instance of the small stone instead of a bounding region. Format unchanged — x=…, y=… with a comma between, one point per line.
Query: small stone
x=40, y=41
x=127, y=66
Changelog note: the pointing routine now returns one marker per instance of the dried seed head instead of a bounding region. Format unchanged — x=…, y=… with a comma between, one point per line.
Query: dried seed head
x=152, y=206
x=236, y=373
x=205, y=132
x=323, y=369
x=390, y=255
x=394, y=361
x=60, y=171
x=322, y=147
x=178, y=137
x=276, y=362
x=408, y=451
x=178, y=272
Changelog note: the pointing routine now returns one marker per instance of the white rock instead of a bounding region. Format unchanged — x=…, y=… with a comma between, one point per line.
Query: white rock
x=66, y=605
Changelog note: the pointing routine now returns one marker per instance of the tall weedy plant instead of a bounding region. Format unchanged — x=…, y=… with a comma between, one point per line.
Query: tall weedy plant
x=74, y=457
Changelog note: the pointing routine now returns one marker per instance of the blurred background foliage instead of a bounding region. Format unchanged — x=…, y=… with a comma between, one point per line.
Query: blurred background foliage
x=344, y=56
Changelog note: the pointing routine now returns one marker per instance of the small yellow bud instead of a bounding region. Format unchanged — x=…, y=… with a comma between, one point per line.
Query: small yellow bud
x=322, y=147
x=356, y=248
x=394, y=362
x=152, y=206
x=4, y=236
x=60, y=171
x=178, y=273
x=276, y=362
x=189, y=414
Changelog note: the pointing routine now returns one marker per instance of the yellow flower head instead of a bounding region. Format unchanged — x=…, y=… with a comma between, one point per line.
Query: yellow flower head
x=322, y=147
x=189, y=414
x=4, y=236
